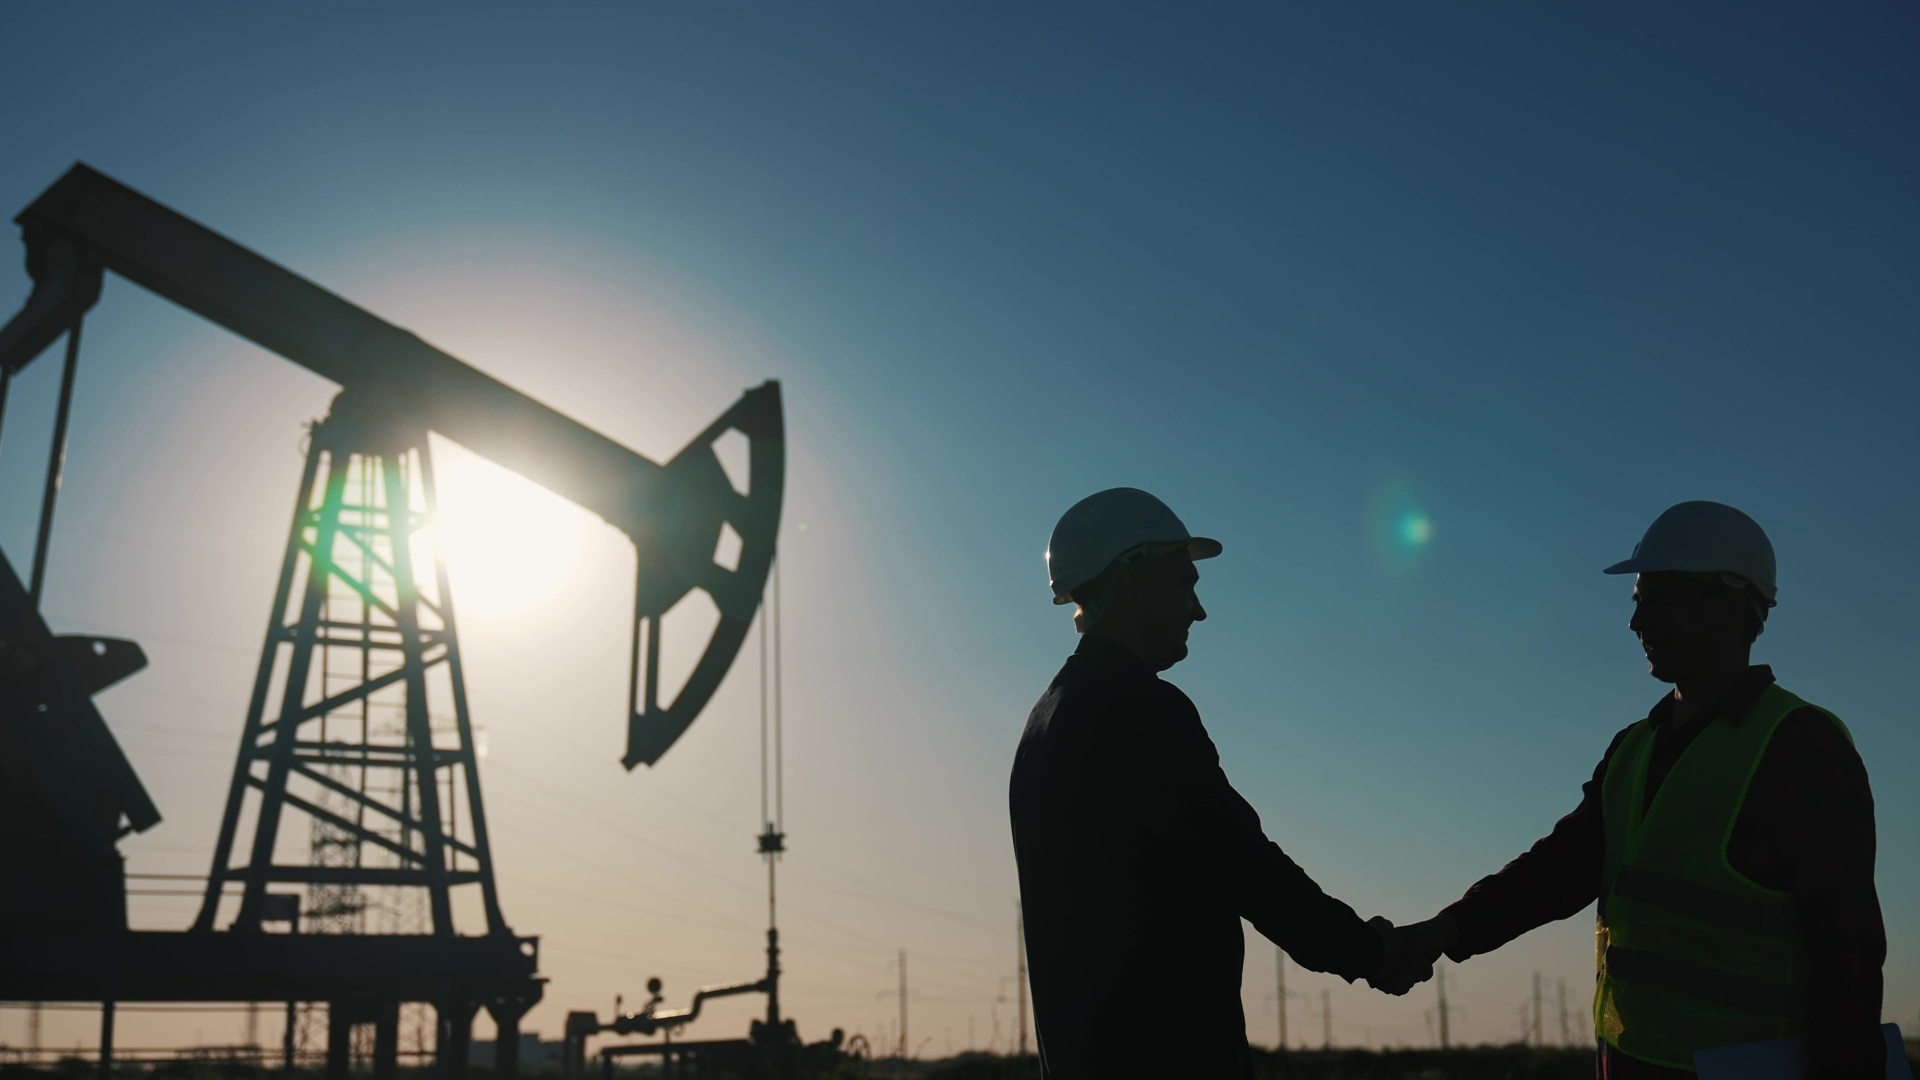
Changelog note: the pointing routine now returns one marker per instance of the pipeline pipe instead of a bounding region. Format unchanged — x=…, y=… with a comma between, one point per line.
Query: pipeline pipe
x=648, y=1022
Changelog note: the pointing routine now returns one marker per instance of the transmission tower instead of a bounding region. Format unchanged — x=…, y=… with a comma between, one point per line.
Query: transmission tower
x=1280, y=990
x=1020, y=977
x=1536, y=1036
x=1566, y=1028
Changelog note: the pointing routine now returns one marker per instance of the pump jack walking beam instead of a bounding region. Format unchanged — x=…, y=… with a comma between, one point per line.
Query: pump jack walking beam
x=673, y=513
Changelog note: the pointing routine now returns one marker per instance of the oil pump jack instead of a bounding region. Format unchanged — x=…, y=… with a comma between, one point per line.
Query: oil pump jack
x=358, y=720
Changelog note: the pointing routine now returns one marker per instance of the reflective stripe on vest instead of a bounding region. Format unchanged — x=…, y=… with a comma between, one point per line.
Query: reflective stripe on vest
x=1784, y=1000
x=1770, y=915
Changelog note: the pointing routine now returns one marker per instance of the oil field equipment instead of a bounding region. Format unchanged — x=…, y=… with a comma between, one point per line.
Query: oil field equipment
x=360, y=651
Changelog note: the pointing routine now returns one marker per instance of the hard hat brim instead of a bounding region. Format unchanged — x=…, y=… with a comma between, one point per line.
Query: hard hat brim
x=1642, y=565
x=1198, y=547
x=1652, y=566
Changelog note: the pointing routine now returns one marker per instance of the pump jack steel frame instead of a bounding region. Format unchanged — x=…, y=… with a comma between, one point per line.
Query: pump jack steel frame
x=395, y=389
x=366, y=495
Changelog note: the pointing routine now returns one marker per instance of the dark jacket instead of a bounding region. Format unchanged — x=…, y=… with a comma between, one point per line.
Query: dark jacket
x=1806, y=829
x=1137, y=862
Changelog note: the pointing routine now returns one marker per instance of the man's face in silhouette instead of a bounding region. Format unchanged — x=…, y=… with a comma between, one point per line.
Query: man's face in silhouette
x=1161, y=603
x=1688, y=625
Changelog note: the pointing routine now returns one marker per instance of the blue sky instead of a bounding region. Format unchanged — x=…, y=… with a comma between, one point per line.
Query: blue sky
x=1531, y=273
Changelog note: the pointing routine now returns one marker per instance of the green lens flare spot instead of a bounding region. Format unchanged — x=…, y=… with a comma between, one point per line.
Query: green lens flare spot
x=1398, y=528
x=1416, y=530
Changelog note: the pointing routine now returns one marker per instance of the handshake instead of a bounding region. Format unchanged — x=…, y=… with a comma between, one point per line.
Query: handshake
x=1411, y=952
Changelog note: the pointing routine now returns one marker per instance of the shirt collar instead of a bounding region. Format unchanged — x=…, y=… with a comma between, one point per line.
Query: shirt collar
x=1106, y=652
x=1733, y=706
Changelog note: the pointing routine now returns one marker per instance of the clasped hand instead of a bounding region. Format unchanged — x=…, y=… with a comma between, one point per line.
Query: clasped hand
x=1411, y=952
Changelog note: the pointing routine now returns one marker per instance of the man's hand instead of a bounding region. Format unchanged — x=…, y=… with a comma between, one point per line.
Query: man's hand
x=1410, y=952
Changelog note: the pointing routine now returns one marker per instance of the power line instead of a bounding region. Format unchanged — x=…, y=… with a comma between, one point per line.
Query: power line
x=867, y=889
x=658, y=787
x=564, y=802
x=625, y=905
x=877, y=892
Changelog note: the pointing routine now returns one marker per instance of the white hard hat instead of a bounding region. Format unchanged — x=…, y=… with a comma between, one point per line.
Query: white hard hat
x=1107, y=525
x=1705, y=538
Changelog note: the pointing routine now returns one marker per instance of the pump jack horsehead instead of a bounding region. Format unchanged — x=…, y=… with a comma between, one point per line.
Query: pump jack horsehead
x=367, y=493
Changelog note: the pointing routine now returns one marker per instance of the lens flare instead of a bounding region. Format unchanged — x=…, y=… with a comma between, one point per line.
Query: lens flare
x=1416, y=530
x=1399, y=528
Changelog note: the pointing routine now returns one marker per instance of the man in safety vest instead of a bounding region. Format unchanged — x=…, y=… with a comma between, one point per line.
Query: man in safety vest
x=1137, y=858
x=1728, y=838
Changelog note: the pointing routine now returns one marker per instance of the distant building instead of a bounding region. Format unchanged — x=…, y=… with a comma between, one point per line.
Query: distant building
x=536, y=1054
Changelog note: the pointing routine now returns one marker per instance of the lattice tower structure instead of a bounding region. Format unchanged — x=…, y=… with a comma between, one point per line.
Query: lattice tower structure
x=340, y=907
x=382, y=720
x=361, y=660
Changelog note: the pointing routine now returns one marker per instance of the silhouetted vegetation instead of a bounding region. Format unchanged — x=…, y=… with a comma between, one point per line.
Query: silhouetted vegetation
x=1477, y=1063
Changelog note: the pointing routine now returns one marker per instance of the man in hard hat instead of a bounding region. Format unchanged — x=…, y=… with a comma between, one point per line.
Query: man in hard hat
x=1137, y=858
x=1728, y=838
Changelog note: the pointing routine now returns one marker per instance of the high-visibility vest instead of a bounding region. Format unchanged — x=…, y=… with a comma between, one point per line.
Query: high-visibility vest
x=1691, y=954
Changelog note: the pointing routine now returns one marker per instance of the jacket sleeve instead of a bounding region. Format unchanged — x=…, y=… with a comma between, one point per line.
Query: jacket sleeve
x=1229, y=852
x=1552, y=880
x=1822, y=814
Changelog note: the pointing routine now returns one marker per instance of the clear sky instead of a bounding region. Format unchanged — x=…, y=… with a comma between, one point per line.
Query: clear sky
x=1332, y=279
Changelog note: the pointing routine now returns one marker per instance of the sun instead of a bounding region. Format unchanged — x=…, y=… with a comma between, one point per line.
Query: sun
x=509, y=543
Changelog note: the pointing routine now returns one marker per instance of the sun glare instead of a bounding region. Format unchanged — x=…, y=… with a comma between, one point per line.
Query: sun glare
x=509, y=543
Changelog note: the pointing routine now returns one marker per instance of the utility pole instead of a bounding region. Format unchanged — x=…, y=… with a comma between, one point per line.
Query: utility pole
x=1020, y=982
x=1326, y=1018
x=1280, y=987
x=1536, y=1033
x=1566, y=1029
x=33, y=1030
x=903, y=1004
x=287, y=1039
x=1441, y=974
